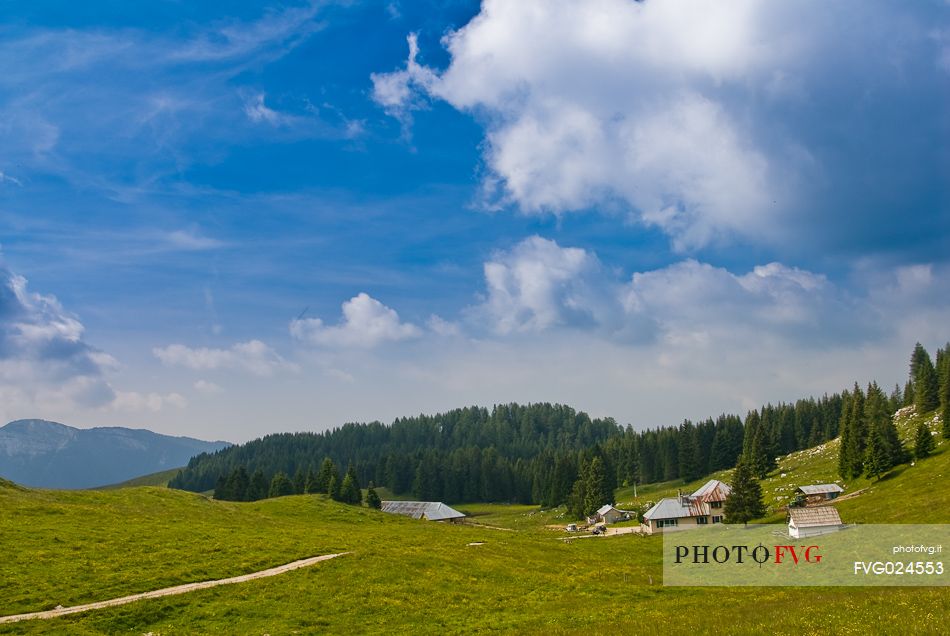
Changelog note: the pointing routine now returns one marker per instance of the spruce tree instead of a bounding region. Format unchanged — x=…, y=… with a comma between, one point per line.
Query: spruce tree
x=238, y=484
x=877, y=460
x=762, y=459
x=333, y=488
x=351, y=472
x=350, y=490
x=744, y=503
x=221, y=489
x=859, y=432
x=923, y=441
x=310, y=483
x=372, y=499
x=596, y=492
x=300, y=481
x=689, y=461
x=945, y=394
x=281, y=486
x=845, y=445
x=926, y=395
x=916, y=359
x=259, y=488
x=327, y=470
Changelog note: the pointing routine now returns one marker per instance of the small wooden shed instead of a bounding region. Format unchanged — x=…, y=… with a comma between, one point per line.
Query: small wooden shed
x=812, y=522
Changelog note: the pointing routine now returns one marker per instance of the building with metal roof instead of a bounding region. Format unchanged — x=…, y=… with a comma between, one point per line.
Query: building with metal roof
x=608, y=514
x=703, y=507
x=811, y=522
x=429, y=510
x=817, y=493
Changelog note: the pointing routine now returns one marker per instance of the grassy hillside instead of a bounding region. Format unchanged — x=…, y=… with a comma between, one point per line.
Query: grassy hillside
x=907, y=494
x=160, y=478
x=73, y=547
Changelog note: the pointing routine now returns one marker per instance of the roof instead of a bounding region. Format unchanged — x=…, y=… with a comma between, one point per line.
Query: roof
x=813, y=517
x=713, y=490
x=431, y=510
x=676, y=508
x=605, y=509
x=820, y=489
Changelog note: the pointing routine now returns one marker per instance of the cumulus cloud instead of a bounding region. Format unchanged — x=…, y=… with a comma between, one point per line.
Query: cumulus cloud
x=710, y=121
x=366, y=323
x=43, y=356
x=539, y=284
x=252, y=356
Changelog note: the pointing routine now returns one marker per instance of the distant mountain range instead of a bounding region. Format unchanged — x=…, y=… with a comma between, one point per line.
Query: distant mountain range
x=46, y=454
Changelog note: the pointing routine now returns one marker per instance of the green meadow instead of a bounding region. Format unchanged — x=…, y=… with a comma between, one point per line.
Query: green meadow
x=72, y=547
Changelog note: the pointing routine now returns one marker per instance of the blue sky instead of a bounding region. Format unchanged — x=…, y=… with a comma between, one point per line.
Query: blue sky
x=230, y=221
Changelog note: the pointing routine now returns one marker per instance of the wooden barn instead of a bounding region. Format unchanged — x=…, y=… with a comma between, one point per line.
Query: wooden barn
x=812, y=522
x=818, y=493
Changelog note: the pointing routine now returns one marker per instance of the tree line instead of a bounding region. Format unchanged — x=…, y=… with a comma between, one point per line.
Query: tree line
x=550, y=454
x=870, y=444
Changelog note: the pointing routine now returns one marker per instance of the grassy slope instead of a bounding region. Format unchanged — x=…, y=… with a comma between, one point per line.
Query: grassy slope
x=160, y=478
x=908, y=494
x=73, y=547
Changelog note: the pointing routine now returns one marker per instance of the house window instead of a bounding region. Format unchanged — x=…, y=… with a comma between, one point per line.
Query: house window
x=717, y=518
x=666, y=523
x=715, y=504
x=701, y=521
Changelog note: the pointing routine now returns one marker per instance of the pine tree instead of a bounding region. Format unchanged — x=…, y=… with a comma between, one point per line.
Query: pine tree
x=690, y=470
x=351, y=472
x=945, y=394
x=310, y=483
x=372, y=499
x=923, y=441
x=300, y=481
x=596, y=491
x=916, y=359
x=281, y=486
x=221, y=489
x=327, y=470
x=926, y=395
x=350, y=490
x=259, y=488
x=333, y=488
x=877, y=460
x=845, y=445
x=762, y=453
x=238, y=484
x=908, y=393
x=859, y=433
x=744, y=503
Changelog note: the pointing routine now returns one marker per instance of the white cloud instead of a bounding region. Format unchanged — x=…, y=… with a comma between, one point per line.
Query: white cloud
x=539, y=284
x=443, y=327
x=152, y=402
x=366, y=323
x=258, y=112
x=698, y=118
x=397, y=92
x=43, y=357
x=252, y=356
x=208, y=388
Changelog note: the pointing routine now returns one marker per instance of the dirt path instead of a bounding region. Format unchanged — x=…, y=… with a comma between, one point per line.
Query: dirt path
x=170, y=591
